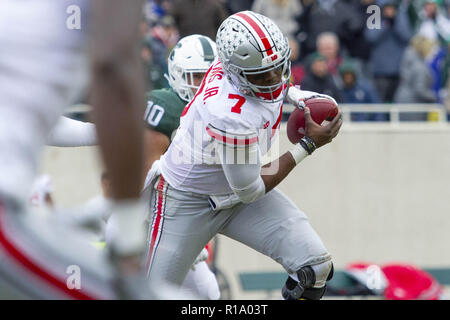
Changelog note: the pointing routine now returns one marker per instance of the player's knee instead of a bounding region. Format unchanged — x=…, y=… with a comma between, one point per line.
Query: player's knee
x=311, y=284
x=323, y=273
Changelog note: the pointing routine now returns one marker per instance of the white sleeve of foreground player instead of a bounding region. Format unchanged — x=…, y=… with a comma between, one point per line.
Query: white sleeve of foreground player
x=125, y=229
x=242, y=168
x=72, y=133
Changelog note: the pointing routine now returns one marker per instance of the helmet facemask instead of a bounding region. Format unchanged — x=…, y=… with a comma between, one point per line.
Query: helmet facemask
x=269, y=93
x=190, y=78
x=184, y=81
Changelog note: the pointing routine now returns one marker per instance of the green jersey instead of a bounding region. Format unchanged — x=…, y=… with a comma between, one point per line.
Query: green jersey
x=163, y=111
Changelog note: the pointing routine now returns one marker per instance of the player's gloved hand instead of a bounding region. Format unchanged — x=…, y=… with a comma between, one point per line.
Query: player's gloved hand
x=203, y=256
x=298, y=97
x=154, y=172
x=321, y=135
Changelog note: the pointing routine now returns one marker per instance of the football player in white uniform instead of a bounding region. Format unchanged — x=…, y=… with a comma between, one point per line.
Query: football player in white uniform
x=211, y=179
x=42, y=60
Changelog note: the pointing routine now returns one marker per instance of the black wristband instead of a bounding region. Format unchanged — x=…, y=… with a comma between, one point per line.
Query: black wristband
x=308, y=144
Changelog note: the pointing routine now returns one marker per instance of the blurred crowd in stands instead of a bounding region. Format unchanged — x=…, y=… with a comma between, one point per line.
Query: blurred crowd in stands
x=358, y=51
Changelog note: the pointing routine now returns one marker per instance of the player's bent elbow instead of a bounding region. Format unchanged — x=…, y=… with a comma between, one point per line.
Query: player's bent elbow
x=252, y=192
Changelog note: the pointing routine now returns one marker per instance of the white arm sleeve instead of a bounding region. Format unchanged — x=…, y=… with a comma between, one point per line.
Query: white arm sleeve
x=295, y=95
x=244, y=178
x=72, y=133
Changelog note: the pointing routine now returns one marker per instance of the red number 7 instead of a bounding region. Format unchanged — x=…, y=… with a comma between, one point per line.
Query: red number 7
x=237, y=107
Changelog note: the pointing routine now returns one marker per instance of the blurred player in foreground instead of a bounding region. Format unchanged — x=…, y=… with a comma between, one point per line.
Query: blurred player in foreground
x=41, y=65
x=188, y=62
x=212, y=180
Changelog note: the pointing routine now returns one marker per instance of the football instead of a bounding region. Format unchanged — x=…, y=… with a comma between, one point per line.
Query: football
x=322, y=111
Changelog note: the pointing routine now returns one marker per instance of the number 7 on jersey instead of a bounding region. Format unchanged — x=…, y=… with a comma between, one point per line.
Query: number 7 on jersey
x=237, y=107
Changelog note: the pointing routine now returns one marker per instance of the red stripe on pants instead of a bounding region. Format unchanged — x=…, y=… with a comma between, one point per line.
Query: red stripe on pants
x=155, y=231
x=20, y=258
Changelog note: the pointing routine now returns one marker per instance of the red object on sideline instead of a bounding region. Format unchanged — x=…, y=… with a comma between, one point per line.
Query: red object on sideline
x=403, y=281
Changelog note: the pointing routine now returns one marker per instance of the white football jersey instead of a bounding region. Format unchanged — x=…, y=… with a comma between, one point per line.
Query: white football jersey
x=218, y=112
